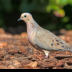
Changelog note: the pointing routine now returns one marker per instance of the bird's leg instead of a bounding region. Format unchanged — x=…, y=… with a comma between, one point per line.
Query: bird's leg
x=46, y=53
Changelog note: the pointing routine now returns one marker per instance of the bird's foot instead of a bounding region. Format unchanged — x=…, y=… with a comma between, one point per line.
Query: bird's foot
x=46, y=53
x=47, y=56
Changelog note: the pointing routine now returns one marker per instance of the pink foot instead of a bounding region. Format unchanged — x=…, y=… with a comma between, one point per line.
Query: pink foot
x=46, y=56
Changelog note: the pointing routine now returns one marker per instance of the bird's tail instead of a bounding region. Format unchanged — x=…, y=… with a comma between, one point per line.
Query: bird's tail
x=68, y=48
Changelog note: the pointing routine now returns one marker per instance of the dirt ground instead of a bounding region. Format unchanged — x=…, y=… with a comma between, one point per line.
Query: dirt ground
x=17, y=53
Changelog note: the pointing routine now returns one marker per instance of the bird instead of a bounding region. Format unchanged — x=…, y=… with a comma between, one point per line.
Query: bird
x=43, y=39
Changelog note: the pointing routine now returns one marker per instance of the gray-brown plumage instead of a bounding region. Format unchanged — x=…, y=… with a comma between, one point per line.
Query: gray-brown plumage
x=43, y=39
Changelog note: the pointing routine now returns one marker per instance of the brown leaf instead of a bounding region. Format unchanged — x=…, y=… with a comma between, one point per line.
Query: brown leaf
x=11, y=67
x=31, y=65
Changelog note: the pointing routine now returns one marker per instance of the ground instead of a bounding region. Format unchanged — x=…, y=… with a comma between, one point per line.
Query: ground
x=17, y=53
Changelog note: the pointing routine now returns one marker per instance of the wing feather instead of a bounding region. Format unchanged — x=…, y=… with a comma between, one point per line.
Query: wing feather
x=47, y=40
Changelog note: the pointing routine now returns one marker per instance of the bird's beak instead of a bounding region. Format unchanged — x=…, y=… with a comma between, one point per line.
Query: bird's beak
x=19, y=19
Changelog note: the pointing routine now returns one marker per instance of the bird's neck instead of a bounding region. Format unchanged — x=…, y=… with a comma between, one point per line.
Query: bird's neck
x=31, y=28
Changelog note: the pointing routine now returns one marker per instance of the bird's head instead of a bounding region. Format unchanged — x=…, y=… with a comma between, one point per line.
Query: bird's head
x=25, y=17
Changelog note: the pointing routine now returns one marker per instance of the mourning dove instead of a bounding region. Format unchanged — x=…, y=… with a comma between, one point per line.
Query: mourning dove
x=43, y=39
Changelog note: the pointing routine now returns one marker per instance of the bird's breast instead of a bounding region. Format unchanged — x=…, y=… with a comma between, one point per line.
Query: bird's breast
x=31, y=35
x=31, y=31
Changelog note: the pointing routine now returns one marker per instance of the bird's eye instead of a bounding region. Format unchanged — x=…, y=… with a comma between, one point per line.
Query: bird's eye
x=25, y=16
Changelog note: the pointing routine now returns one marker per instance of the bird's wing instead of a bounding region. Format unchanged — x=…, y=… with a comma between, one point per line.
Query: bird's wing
x=47, y=40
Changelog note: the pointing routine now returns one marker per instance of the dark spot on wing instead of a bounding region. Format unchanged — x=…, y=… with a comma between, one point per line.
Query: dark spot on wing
x=57, y=43
x=57, y=40
x=61, y=42
x=63, y=46
x=51, y=44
